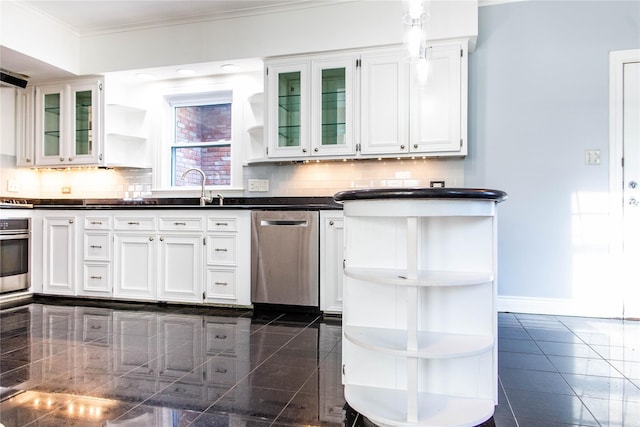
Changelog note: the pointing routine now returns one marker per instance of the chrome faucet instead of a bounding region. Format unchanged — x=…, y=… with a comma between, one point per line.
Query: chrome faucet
x=203, y=199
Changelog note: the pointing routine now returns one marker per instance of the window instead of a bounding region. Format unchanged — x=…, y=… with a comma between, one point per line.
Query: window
x=202, y=138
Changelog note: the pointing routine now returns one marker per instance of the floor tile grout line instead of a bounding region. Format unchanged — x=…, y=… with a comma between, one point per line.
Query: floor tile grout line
x=504, y=391
x=254, y=369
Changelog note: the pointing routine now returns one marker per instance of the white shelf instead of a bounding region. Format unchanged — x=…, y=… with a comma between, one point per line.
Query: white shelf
x=127, y=109
x=257, y=129
x=426, y=278
x=430, y=344
x=256, y=98
x=389, y=407
x=128, y=138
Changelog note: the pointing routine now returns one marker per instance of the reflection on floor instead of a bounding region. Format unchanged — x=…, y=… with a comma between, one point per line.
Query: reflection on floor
x=143, y=365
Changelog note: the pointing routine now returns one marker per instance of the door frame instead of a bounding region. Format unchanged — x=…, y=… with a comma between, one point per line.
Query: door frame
x=617, y=59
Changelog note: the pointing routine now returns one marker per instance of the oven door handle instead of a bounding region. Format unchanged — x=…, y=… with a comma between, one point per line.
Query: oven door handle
x=14, y=236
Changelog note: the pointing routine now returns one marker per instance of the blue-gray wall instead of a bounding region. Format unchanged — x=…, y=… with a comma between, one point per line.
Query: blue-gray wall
x=538, y=98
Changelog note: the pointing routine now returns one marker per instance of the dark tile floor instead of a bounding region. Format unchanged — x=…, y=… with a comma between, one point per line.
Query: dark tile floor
x=143, y=365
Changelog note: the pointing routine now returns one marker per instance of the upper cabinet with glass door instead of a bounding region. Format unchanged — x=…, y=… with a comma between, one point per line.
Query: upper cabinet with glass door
x=288, y=111
x=67, y=124
x=310, y=106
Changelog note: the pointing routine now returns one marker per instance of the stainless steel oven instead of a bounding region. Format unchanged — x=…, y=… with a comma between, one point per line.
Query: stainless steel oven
x=15, y=251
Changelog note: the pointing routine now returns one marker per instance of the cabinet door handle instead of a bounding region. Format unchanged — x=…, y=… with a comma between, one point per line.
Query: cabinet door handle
x=133, y=223
x=330, y=222
x=62, y=159
x=222, y=223
x=151, y=239
x=221, y=249
x=221, y=283
x=96, y=277
x=316, y=149
x=221, y=371
x=179, y=223
x=304, y=150
x=96, y=246
x=71, y=159
x=221, y=337
x=415, y=145
x=162, y=239
x=28, y=160
x=96, y=222
x=70, y=221
x=402, y=147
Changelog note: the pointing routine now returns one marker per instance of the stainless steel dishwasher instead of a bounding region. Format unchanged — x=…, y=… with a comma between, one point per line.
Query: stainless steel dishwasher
x=284, y=258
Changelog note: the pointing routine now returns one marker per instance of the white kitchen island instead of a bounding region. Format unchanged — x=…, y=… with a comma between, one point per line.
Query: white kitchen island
x=419, y=317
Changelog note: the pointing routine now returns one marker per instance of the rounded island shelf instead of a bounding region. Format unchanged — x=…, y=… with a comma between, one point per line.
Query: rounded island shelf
x=419, y=317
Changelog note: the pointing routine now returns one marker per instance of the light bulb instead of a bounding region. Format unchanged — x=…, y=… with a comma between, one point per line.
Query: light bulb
x=415, y=9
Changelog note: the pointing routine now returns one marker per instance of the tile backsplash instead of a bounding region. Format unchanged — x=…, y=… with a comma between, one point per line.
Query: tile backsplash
x=323, y=178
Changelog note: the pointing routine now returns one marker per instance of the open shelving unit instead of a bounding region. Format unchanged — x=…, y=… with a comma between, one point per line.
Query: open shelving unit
x=419, y=317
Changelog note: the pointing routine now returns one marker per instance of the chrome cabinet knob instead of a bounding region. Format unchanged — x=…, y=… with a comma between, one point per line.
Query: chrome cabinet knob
x=633, y=184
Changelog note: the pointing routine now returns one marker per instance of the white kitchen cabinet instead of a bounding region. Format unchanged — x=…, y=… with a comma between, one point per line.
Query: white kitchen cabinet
x=438, y=106
x=96, y=259
x=419, y=318
x=134, y=265
x=159, y=258
x=228, y=255
x=126, y=142
x=59, y=255
x=25, y=155
x=289, y=103
x=181, y=267
x=68, y=119
x=331, y=260
x=310, y=105
x=384, y=91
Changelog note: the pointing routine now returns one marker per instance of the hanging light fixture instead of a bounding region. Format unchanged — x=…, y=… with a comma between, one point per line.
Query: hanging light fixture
x=415, y=39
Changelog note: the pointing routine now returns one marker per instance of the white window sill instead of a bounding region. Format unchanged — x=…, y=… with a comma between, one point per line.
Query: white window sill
x=194, y=191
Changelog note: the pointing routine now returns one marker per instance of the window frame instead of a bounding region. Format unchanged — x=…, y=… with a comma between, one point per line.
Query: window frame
x=193, y=96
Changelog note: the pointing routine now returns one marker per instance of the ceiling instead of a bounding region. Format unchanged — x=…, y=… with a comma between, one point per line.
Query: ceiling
x=90, y=17
x=99, y=16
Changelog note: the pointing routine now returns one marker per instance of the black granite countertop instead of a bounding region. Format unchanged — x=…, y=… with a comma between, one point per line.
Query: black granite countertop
x=270, y=203
x=420, y=193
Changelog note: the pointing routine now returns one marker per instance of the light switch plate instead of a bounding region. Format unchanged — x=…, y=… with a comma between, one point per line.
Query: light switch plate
x=258, y=185
x=592, y=157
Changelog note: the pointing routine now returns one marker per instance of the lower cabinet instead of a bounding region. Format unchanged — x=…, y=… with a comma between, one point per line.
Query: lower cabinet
x=331, y=260
x=135, y=266
x=180, y=267
x=59, y=255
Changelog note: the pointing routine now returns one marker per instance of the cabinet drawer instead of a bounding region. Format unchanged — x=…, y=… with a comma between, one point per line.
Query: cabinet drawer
x=177, y=224
x=97, y=277
x=220, y=223
x=221, y=284
x=97, y=223
x=220, y=337
x=135, y=223
x=221, y=249
x=97, y=246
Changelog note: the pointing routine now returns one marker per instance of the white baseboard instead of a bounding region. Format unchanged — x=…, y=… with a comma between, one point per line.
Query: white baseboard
x=557, y=307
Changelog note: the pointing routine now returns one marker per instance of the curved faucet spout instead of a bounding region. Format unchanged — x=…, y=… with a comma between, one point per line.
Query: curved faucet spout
x=203, y=199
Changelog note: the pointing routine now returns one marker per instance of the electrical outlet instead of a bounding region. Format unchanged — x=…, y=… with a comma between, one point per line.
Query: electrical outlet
x=13, y=186
x=436, y=184
x=66, y=190
x=592, y=157
x=259, y=185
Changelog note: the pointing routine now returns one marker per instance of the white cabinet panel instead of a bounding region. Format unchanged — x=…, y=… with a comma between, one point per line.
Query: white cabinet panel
x=135, y=266
x=181, y=268
x=59, y=256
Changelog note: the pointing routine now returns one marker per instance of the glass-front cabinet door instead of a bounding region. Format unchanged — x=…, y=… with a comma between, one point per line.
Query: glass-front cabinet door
x=332, y=106
x=67, y=124
x=288, y=112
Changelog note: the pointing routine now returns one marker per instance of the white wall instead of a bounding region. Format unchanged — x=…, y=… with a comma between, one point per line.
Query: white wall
x=538, y=98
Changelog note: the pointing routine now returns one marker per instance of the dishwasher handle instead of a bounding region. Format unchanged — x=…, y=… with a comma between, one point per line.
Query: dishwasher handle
x=289, y=222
